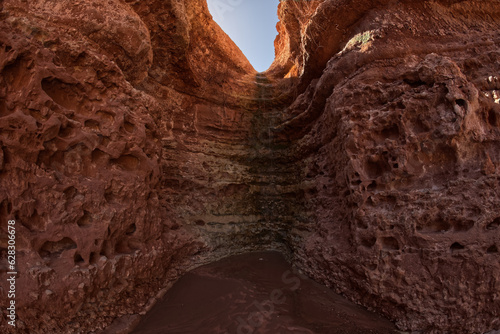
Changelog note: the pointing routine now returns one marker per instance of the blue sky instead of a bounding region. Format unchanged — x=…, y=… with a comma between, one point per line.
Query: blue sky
x=251, y=24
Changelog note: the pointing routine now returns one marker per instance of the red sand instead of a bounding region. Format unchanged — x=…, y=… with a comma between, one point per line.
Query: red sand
x=256, y=293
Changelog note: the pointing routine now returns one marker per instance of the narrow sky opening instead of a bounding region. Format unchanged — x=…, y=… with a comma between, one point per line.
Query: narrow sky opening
x=251, y=24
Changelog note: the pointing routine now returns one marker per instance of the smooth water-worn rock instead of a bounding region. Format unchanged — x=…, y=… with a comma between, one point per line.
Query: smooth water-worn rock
x=137, y=142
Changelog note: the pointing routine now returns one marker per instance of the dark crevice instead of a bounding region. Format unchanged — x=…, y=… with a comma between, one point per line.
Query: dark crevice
x=456, y=247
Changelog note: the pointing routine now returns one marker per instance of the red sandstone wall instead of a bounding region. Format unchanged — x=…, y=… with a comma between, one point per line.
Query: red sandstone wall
x=90, y=122
x=401, y=138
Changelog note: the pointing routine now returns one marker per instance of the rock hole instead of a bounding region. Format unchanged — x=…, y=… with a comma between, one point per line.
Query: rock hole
x=85, y=221
x=61, y=93
x=376, y=166
x=78, y=259
x=106, y=116
x=200, y=222
x=66, y=132
x=436, y=226
x=356, y=182
x=362, y=224
x=492, y=118
x=105, y=141
x=494, y=224
x=70, y=192
x=372, y=186
x=369, y=242
x=390, y=243
x=52, y=249
x=131, y=229
x=414, y=83
x=391, y=132
x=461, y=103
x=391, y=199
x=92, y=124
x=129, y=127
x=110, y=197
x=492, y=249
x=456, y=247
x=99, y=156
x=127, y=162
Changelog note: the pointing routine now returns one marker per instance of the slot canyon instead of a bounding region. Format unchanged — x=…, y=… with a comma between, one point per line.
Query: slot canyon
x=137, y=143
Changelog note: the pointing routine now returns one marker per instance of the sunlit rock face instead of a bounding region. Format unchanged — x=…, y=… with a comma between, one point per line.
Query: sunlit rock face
x=137, y=142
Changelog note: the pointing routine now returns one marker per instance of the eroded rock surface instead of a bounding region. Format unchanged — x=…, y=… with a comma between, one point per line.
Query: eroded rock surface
x=400, y=134
x=137, y=142
x=86, y=119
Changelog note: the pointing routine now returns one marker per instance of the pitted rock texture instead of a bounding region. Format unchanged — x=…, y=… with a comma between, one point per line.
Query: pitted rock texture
x=137, y=142
x=400, y=134
x=81, y=177
x=83, y=163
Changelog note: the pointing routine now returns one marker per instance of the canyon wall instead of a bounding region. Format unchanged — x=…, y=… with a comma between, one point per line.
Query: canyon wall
x=398, y=138
x=100, y=105
x=137, y=142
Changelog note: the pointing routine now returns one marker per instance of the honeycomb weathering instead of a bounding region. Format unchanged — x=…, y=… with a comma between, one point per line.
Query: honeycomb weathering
x=137, y=142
